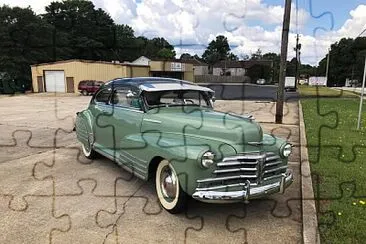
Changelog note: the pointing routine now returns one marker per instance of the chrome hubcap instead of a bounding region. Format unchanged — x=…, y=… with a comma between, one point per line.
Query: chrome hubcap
x=168, y=183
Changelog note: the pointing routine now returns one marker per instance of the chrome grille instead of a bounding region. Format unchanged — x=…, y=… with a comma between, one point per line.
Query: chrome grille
x=257, y=168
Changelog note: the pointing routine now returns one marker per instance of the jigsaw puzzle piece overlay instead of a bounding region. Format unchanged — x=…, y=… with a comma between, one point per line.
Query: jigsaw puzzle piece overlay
x=134, y=222
x=59, y=115
x=263, y=228
x=22, y=141
x=82, y=208
x=17, y=180
x=215, y=225
x=36, y=224
x=70, y=166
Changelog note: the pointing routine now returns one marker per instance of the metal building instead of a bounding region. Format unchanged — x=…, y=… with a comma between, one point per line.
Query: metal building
x=64, y=76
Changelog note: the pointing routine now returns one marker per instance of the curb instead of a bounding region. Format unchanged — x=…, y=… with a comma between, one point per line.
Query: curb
x=310, y=231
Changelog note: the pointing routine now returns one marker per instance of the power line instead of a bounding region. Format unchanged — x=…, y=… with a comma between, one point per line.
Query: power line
x=361, y=33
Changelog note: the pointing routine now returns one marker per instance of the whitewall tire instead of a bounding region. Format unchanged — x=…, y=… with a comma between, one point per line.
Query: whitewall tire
x=169, y=192
x=88, y=150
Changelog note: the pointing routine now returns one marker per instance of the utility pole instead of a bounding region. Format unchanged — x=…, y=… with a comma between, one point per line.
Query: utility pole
x=284, y=46
x=297, y=50
x=327, y=69
x=363, y=88
x=361, y=97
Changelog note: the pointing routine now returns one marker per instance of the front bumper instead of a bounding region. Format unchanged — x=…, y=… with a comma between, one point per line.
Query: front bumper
x=248, y=192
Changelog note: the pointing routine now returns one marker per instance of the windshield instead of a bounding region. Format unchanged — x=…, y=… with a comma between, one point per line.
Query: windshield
x=177, y=98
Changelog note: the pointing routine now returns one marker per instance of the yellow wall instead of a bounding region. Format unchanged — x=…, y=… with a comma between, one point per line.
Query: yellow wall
x=103, y=71
x=137, y=71
x=157, y=66
x=166, y=66
x=88, y=71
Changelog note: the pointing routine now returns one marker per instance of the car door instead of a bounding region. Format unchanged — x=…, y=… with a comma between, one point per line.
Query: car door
x=126, y=120
x=101, y=110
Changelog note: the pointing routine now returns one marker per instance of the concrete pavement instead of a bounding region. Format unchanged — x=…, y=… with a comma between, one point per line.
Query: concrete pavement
x=51, y=193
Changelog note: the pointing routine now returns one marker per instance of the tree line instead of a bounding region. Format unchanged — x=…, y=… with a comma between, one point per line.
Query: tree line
x=71, y=29
x=76, y=29
x=346, y=60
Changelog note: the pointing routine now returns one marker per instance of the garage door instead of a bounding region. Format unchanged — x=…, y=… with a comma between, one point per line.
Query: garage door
x=55, y=81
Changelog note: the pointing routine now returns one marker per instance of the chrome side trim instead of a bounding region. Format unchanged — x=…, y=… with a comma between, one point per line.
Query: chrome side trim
x=113, y=106
x=125, y=167
x=152, y=121
x=254, y=143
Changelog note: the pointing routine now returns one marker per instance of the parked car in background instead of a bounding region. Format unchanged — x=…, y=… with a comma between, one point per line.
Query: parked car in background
x=167, y=130
x=88, y=87
x=261, y=81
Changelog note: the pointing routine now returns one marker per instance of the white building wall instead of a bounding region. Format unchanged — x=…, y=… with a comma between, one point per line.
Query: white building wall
x=142, y=61
x=233, y=71
x=200, y=70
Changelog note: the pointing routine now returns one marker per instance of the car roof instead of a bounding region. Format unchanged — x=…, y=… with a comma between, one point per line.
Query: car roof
x=157, y=84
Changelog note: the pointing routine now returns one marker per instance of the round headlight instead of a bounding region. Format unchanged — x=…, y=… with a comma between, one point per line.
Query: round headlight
x=286, y=150
x=207, y=159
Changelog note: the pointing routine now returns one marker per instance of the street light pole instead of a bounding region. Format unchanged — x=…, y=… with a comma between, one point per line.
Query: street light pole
x=327, y=70
x=361, y=97
x=284, y=46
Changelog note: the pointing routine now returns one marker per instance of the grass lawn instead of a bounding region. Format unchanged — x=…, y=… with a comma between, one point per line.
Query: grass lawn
x=312, y=91
x=337, y=154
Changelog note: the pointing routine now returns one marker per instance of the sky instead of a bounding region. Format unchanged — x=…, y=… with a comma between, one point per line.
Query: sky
x=190, y=25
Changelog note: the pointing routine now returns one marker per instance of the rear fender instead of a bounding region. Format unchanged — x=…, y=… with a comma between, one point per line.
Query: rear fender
x=84, y=127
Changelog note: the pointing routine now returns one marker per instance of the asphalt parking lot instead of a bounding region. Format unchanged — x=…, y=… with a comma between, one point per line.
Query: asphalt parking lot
x=49, y=193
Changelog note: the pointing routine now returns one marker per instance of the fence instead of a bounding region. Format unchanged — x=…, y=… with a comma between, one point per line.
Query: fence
x=221, y=79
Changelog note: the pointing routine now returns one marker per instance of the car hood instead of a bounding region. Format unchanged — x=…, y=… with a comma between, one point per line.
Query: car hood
x=204, y=123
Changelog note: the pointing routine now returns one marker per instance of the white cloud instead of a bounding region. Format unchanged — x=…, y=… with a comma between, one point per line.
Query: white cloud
x=249, y=24
x=352, y=27
x=38, y=6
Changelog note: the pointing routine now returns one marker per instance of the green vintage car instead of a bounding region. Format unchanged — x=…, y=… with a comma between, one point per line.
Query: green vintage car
x=166, y=130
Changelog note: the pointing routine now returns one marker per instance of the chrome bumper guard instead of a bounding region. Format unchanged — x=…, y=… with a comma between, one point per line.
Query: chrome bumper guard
x=248, y=192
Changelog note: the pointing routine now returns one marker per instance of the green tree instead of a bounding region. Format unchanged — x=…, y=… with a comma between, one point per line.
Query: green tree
x=151, y=48
x=80, y=30
x=217, y=50
x=291, y=67
x=24, y=40
x=346, y=61
x=166, y=53
x=232, y=57
x=259, y=71
x=276, y=60
x=257, y=55
x=186, y=56
x=126, y=47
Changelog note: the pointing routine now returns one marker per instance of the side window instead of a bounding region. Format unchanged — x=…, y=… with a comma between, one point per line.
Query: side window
x=126, y=97
x=103, y=96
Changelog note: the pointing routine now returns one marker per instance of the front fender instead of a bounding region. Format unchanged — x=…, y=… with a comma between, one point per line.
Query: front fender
x=184, y=153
